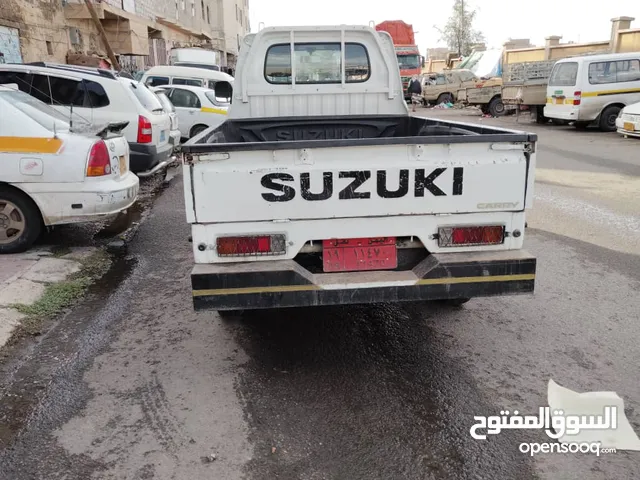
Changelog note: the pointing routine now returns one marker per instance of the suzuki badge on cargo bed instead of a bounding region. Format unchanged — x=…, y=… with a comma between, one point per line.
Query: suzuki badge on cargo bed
x=321, y=189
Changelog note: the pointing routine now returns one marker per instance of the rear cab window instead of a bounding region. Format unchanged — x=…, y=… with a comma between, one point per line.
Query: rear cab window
x=564, y=75
x=316, y=63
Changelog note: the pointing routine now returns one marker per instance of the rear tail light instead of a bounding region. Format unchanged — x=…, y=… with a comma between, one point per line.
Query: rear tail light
x=470, y=236
x=99, y=163
x=145, y=131
x=251, y=245
x=577, y=98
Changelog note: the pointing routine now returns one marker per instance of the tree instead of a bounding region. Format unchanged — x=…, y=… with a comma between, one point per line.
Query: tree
x=458, y=32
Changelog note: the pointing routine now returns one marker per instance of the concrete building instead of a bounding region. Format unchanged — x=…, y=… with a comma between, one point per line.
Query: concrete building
x=141, y=32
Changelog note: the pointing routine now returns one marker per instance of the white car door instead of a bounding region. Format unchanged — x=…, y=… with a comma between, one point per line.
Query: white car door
x=188, y=107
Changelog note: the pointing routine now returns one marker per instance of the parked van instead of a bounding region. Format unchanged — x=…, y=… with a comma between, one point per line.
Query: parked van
x=593, y=88
x=175, y=75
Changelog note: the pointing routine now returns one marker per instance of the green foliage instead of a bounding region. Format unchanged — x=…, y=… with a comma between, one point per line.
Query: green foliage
x=458, y=32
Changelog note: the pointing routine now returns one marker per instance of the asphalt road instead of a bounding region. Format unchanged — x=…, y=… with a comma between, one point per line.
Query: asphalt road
x=133, y=384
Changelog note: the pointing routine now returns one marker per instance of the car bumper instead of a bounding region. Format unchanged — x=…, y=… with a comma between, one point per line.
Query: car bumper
x=174, y=137
x=284, y=283
x=625, y=127
x=91, y=201
x=144, y=157
x=561, y=112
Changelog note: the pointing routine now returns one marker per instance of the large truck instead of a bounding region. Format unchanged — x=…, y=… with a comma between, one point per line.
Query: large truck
x=320, y=188
x=409, y=59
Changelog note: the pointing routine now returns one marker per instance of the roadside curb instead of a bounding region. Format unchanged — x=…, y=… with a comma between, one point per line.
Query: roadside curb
x=42, y=283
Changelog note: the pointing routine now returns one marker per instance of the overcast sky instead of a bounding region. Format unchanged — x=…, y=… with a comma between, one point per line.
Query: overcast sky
x=575, y=20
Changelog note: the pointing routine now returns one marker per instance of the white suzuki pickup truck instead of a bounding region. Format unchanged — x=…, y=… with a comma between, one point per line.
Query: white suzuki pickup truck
x=320, y=188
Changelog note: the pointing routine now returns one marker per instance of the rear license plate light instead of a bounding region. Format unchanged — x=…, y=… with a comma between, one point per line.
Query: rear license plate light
x=470, y=236
x=251, y=245
x=359, y=254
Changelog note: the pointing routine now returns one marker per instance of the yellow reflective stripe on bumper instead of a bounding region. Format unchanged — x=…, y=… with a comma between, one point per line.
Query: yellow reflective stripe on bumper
x=484, y=279
x=424, y=281
x=30, y=145
x=246, y=290
x=219, y=111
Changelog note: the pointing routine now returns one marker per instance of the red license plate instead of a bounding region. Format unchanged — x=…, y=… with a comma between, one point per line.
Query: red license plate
x=358, y=254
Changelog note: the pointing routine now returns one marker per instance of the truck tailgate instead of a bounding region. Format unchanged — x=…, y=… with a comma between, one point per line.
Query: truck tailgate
x=358, y=181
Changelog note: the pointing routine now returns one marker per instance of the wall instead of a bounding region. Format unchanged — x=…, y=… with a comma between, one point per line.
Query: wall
x=526, y=55
x=564, y=51
x=39, y=22
x=629, y=41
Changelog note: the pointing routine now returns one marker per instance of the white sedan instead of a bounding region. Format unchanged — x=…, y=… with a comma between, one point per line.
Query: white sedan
x=628, y=122
x=198, y=108
x=52, y=173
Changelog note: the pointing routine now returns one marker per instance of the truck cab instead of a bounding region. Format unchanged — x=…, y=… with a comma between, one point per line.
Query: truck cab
x=321, y=189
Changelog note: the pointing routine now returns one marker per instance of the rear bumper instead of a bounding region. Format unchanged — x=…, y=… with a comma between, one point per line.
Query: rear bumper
x=144, y=157
x=284, y=283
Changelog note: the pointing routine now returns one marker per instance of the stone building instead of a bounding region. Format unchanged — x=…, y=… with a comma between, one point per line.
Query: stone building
x=141, y=32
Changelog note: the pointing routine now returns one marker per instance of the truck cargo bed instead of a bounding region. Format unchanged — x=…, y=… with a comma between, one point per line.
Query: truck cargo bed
x=323, y=132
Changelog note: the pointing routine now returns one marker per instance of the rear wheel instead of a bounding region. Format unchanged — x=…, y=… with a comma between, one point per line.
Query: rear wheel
x=444, y=98
x=20, y=221
x=496, y=107
x=197, y=130
x=608, y=118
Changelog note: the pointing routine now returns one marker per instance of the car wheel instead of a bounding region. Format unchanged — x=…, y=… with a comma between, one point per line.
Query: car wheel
x=608, y=118
x=197, y=130
x=20, y=221
x=444, y=98
x=496, y=107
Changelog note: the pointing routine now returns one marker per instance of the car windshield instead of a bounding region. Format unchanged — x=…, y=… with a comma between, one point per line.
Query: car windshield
x=166, y=103
x=37, y=110
x=146, y=97
x=409, y=61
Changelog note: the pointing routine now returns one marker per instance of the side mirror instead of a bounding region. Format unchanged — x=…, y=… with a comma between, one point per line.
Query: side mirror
x=223, y=90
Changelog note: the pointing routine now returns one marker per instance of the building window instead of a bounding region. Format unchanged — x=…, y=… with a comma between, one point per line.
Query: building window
x=177, y=9
x=193, y=8
x=202, y=7
x=184, y=6
x=208, y=16
x=237, y=13
x=49, y=48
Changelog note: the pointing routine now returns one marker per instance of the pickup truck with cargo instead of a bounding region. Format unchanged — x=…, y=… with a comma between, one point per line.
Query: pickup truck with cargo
x=524, y=85
x=320, y=188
